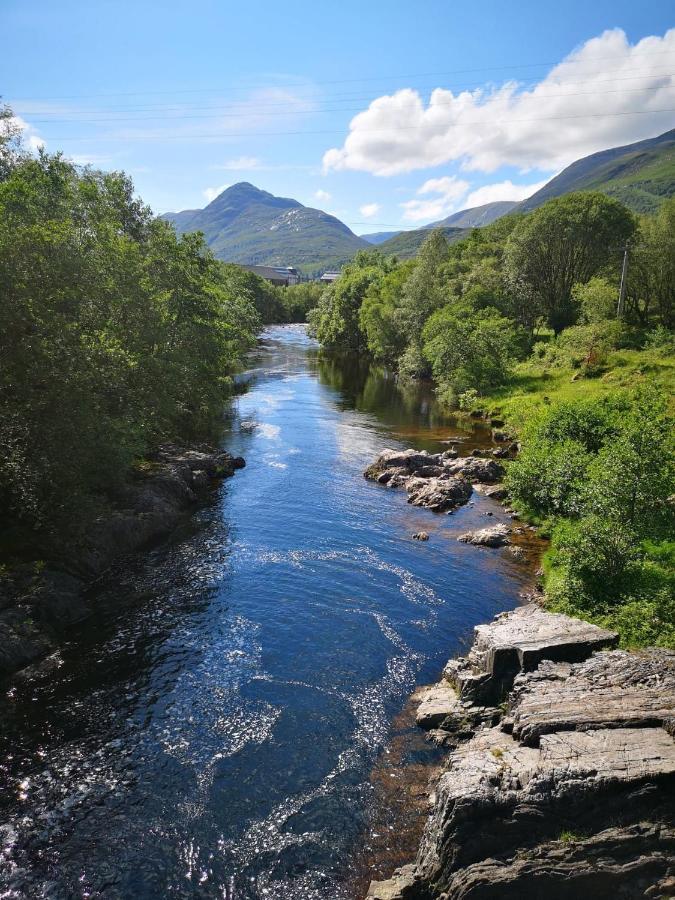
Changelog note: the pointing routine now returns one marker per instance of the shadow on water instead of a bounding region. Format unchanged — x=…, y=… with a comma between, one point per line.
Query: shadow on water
x=220, y=727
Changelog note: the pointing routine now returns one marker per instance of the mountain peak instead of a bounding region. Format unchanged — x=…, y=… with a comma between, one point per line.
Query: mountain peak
x=247, y=225
x=244, y=193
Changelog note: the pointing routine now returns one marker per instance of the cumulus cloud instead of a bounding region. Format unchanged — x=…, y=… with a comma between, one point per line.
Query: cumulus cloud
x=448, y=192
x=605, y=93
x=322, y=196
x=368, y=210
x=15, y=124
x=212, y=192
x=503, y=190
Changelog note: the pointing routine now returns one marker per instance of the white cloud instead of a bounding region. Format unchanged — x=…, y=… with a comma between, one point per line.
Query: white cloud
x=448, y=190
x=605, y=93
x=368, y=210
x=212, y=192
x=322, y=196
x=240, y=164
x=503, y=190
x=28, y=133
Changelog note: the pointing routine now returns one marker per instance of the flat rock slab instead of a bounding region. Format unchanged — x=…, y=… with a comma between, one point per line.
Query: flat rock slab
x=610, y=690
x=437, y=703
x=619, y=754
x=523, y=638
x=402, y=885
x=615, y=863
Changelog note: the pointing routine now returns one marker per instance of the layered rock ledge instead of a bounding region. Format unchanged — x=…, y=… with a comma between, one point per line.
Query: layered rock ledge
x=560, y=781
x=38, y=607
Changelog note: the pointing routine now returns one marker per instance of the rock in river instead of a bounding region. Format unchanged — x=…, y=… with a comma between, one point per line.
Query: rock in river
x=497, y=536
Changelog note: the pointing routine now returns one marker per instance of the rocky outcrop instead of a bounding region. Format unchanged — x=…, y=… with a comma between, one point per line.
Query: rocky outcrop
x=38, y=605
x=561, y=778
x=496, y=536
x=436, y=481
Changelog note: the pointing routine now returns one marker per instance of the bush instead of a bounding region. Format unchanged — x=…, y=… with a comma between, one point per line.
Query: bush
x=469, y=349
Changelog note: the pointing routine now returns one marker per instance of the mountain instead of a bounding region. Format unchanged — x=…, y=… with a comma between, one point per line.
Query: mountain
x=476, y=216
x=640, y=175
x=247, y=225
x=379, y=236
x=406, y=243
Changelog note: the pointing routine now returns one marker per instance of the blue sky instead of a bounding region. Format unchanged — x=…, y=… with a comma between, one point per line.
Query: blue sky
x=388, y=114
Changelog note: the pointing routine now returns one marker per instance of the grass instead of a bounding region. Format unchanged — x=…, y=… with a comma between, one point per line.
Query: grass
x=534, y=384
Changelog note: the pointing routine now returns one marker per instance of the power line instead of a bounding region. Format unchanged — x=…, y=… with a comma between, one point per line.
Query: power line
x=303, y=81
x=263, y=104
x=313, y=111
x=224, y=135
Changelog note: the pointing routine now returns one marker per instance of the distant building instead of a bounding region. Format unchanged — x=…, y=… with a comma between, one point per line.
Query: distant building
x=329, y=276
x=279, y=275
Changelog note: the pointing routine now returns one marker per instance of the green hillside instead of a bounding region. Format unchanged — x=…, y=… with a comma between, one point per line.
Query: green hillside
x=406, y=244
x=640, y=175
x=250, y=226
x=477, y=216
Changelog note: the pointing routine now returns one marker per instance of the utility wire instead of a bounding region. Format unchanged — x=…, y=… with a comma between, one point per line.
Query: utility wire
x=225, y=135
x=314, y=111
x=359, y=80
x=340, y=98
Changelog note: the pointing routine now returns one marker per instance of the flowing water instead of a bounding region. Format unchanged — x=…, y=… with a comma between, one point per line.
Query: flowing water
x=211, y=732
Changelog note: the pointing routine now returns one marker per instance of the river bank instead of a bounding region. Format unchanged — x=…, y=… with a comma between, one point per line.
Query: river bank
x=560, y=776
x=39, y=603
x=560, y=768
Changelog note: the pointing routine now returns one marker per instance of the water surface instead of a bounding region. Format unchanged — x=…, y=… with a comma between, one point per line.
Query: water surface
x=211, y=732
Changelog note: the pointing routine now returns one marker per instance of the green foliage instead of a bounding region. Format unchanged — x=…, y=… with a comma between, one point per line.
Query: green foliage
x=651, y=282
x=565, y=242
x=335, y=320
x=468, y=349
x=584, y=347
x=297, y=300
x=380, y=317
x=596, y=300
x=257, y=291
x=114, y=335
x=605, y=470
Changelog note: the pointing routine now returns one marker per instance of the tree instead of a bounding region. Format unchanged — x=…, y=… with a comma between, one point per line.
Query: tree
x=335, y=320
x=114, y=335
x=596, y=300
x=468, y=348
x=564, y=242
x=380, y=317
x=652, y=273
x=423, y=293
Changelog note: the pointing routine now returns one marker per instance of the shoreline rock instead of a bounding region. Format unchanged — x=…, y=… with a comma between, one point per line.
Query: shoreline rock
x=37, y=608
x=560, y=779
x=437, y=481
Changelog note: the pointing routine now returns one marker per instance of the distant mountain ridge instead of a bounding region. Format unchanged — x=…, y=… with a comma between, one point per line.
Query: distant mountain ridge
x=641, y=175
x=406, y=243
x=247, y=225
x=476, y=216
x=379, y=237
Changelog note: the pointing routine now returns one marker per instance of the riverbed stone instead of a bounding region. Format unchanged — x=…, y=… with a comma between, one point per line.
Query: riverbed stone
x=438, y=494
x=475, y=469
x=496, y=536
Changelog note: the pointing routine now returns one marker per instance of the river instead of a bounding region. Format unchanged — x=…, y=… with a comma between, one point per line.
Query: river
x=212, y=731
